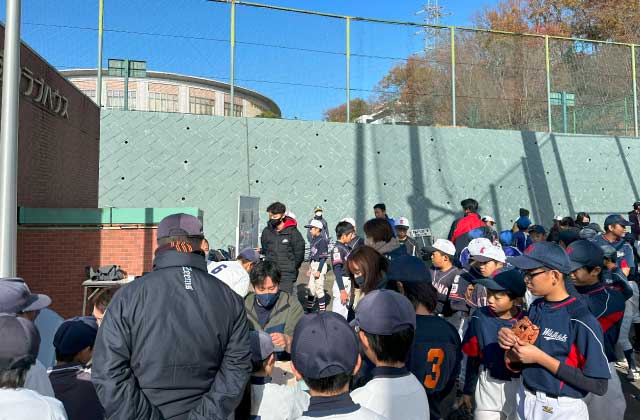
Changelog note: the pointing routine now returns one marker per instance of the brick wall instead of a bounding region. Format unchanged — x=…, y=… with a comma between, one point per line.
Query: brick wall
x=52, y=260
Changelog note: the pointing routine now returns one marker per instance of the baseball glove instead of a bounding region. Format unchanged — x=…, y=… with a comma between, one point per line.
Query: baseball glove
x=526, y=331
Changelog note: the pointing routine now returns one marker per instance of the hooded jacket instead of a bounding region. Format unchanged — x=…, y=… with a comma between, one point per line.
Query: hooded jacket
x=286, y=248
x=391, y=249
x=174, y=344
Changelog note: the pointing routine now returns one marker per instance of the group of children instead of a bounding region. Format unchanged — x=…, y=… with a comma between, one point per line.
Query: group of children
x=416, y=333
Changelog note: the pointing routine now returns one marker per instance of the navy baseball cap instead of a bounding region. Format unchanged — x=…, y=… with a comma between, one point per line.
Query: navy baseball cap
x=523, y=222
x=180, y=224
x=250, y=254
x=537, y=229
x=568, y=236
x=584, y=253
x=409, y=269
x=16, y=297
x=384, y=312
x=609, y=252
x=506, y=279
x=615, y=219
x=542, y=254
x=261, y=345
x=75, y=334
x=324, y=345
x=20, y=342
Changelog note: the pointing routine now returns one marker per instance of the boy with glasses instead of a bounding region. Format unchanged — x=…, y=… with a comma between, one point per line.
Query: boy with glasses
x=567, y=360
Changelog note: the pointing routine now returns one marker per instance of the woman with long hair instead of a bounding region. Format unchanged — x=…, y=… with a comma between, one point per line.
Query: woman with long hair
x=367, y=268
x=380, y=236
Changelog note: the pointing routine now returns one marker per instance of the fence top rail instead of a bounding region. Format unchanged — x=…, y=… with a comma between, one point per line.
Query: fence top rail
x=417, y=24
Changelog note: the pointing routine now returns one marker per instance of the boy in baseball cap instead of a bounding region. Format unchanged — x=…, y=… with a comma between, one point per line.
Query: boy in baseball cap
x=607, y=305
x=18, y=351
x=442, y=272
x=402, y=229
x=318, y=254
x=266, y=400
x=553, y=386
x=487, y=259
x=235, y=274
x=487, y=379
x=325, y=355
x=385, y=322
x=615, y=231
x=70, y=378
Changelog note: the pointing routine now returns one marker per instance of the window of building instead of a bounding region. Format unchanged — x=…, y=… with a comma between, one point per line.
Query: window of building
x=115, y=99
x=201, y=106
x=163, y=102
x=237, y=109
x=90, y=93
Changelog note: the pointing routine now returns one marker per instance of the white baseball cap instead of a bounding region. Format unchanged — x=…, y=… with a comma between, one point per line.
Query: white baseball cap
x=488, y=219
x=402, y=221
x=316, y=224
x=486, y=251
x=349, y=220
x=444, y=246
x=557, y=218
x=232, y=274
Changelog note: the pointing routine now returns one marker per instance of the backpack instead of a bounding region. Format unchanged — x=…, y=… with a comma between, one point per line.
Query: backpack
x=105, y=273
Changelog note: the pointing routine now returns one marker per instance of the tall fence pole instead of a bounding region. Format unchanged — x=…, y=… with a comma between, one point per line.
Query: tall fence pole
x=635, y=90
x=100, y=38
x=348, y=53
x=548, y=70
x=232, y=45
x=452, y=30
x=9, y=140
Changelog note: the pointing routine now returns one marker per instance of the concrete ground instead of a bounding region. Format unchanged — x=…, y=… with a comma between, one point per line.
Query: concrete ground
x=629, y=388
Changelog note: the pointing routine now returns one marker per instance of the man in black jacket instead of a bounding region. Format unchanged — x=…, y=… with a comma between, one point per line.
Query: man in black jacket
x=283, y=244
x=634, y=219
x=173, y=344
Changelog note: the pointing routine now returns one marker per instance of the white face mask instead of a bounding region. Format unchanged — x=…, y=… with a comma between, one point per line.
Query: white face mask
x=319, y=213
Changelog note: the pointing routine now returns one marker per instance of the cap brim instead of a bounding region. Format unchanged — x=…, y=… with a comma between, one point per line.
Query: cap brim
x=431, y=250
x=37, y=302
x=481, y=258
x=574, y=265
x=490, y=284
x=524, y=262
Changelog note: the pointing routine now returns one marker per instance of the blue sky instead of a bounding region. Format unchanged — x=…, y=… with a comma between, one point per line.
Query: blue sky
x=297, y=60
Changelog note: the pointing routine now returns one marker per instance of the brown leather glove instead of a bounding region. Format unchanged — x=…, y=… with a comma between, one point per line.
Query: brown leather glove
x=527, y=332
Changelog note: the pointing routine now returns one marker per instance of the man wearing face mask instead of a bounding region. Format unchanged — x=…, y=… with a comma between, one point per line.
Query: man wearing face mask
x=283, y=244
x=271, y=309
x=317, y=215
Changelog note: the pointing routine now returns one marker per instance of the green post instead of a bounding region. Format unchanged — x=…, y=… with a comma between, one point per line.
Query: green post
x=548, y=69
x=348, y=51
x=574, y=120
x=452, y=30
x=232, y=45
x=635, y=90
x=126, y=84
x=564, y=111
x=100, y=38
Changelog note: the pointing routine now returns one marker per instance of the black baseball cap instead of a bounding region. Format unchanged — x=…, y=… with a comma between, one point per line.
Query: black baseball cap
x=408, y=269
x=250, y=254
x=615, y=219
x=537, y=229
x=324, y=345
x=542, y=254
x=506, y=279
x=384, y=312
x=19, y=344
x=584, y=253
x=16, y=297
x=180, y=224
x=75, y=334
x=261, y=345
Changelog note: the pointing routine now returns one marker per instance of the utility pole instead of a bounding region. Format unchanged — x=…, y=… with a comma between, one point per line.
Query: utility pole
x=433, y=14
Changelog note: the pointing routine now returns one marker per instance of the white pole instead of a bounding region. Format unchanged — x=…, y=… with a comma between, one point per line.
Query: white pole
x=9, y=141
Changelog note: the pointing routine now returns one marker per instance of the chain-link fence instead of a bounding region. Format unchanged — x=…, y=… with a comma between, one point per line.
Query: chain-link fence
x=246, y=59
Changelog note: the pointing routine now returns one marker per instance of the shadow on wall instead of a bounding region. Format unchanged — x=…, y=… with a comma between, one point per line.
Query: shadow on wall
x=418, y=201
x=360, y=182
x=627, y=168
x=536, y=178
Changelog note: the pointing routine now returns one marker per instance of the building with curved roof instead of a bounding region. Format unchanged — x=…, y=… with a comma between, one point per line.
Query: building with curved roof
x=170, y=92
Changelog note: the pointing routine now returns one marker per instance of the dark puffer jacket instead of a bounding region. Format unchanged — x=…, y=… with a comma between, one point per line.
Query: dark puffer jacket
x=285, y=248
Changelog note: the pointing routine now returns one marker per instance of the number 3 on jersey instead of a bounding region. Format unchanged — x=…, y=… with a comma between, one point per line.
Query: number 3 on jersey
x=436, y=357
